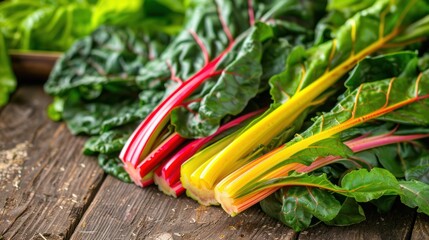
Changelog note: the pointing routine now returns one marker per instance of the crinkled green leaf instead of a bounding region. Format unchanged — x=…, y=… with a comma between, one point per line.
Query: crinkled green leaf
x=371, y=97
x=241, y=68
x=362, y=185
x=296, y=206
x=110, y=142
x=350, y=213
x=326, y=147
x=415, y=194
x=359, y=185
x=107, y=60
x=293, y=69
x=385, y=203
x=7, y=78
x=381, y=67
x=113, y=166
x=418, y=168
x=238, y=83
x=96, y=117
x=339, y=12
x=365, y=186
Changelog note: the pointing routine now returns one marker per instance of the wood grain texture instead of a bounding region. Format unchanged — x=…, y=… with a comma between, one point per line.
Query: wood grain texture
x=421, y=228
x=46, y=183
x=124, y=211
x=397, y=224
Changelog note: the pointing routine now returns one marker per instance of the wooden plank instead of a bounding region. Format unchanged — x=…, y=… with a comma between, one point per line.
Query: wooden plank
x=396, y=224
x=124, y=211
x=421, y=228
x=46, y=183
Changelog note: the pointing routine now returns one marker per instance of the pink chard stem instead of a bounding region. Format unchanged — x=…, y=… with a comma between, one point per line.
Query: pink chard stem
x=363, y=143
x=167, y=175
x=135, y=153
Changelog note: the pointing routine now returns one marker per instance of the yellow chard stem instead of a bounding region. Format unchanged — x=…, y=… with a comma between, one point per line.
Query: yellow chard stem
x=228, y=189
x=283, y=116
x=190, y=170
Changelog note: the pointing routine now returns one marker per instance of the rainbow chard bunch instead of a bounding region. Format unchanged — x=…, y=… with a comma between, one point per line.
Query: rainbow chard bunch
x=346, y=122
x=373, y=126
x=211, y=70
x=308, y=79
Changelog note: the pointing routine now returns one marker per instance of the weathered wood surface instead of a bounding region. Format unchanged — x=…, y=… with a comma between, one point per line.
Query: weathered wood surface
x=49, y=190
x=421, y=228
x=127, y=212
x=45, y=183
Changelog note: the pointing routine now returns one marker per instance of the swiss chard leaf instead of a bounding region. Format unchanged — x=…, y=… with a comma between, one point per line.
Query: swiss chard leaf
x=96, y=117
x=238, y=83
x=7, y=78
x=202, y=115
x=418, y=168
x=110, y=142
x=350, y=213
x=109, y=59
x=319, y=69
x=327, y=147
x=415, y=194
x=365, y=186
x=113, y=166
x=381, y=67
x=95, y=81
x=235, y=28
x=359, y=185
x=373, y=97
x=296, y=206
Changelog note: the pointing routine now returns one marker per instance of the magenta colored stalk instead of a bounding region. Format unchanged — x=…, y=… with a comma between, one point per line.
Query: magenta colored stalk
x=147, y=182
x=178, y=188
x=360, y=144
x=170, y=170
x=377, y=141
x=143, y=137
x=157, y=119
x=161, y=151
x=251, y=12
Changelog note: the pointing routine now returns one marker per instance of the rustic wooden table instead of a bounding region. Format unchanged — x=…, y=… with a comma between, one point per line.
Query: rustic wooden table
x=49, y=190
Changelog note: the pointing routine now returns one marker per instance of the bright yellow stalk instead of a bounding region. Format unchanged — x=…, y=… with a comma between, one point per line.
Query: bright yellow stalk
x=228, y=189
x=190, y=170
x=283, y=116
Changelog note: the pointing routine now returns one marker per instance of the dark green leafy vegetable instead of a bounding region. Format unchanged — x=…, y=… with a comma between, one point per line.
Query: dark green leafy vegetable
x=7, y=79
x=361, y=185
x=107, y=60
x=110, y=142
x=310, y=73
x=350, y=213
x=96, y=91
x=363, y=150
x=296, y=206
x=320, y=144
x=242, y=77
x=95, y=81
x=54, y=25
x=215, y=61
x=112, y=165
